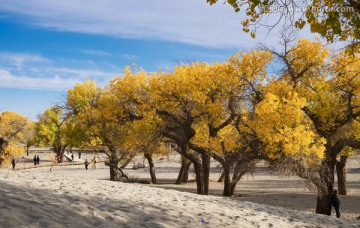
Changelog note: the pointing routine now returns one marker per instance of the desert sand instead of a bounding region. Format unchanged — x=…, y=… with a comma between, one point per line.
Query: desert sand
x=70, y=196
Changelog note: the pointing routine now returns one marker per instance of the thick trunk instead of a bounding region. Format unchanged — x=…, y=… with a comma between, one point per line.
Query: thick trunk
x=233, y=187
x=152, y=167
x=201, y=165
x=199, y=179
x=199, y=169
x=326, y=185
x=59, y=151
x=184, y=171
x=239, y=170
x=341, y=175
x=227, y=180
x=323, y=203
x=205, y=172
x=114, y=170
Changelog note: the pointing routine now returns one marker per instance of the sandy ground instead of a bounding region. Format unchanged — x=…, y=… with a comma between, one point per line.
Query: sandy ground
x=71, y=196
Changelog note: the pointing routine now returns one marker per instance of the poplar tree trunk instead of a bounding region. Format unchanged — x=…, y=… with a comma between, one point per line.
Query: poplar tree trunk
x=199, y=181
x=205, y=172
x=325, y=189
x=202, y=176
x=57, y=151
x=240, y=169
x=152, y=167
x=227, y=180
x=233, y=187
x=202, y=169
x=114, y=170
x=341, y=175
x=184, y=171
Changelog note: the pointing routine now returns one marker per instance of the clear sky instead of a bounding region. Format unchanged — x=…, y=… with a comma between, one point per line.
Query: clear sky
x=48, y=46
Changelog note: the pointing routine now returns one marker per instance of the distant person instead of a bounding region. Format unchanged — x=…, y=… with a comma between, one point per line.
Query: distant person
x=35, y=160
x=79, y=153
x=55, y=161
x=38, y=160
x=72, y=157
x=86, y=164
x=94, y=163
x=13, y=163
x=336, y=203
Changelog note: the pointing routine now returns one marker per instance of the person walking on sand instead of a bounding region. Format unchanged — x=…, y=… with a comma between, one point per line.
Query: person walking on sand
x=94, y=163
x=86, y=164
x=35, y=160
x=38, y=160
x=13, y=163
x=336, y=203
x=72, y=157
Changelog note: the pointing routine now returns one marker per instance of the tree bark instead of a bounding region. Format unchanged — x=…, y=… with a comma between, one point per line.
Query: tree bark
x=114, y=170
x=205, y=172
x=326, y=185
x=227, y=180
x=152, y=167
x=199, y=182
x=341, y=175
x=184, y=171
x=59, y=151
x=200, y=171
x=240, y=169
x=233, y=187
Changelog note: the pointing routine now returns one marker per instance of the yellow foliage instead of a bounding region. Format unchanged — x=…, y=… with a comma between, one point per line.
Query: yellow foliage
x=11, y=151
x=13, y=130
x=124, y=115
x=251, y=66
x=282, y=126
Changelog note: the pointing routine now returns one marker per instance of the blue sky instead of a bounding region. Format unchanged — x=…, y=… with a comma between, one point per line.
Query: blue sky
x=46, y=46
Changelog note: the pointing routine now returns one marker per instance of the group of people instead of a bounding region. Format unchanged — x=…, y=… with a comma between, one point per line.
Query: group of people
x=36, y=160
x=93, y=162
x=335, y=202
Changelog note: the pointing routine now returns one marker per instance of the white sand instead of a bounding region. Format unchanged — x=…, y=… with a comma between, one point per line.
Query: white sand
x=74, y=197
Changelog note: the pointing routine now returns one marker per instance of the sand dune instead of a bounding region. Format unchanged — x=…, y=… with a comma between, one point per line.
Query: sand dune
x=74, y=197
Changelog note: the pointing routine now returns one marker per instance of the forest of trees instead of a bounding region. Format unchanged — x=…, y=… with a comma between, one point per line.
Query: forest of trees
x=303, y=116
